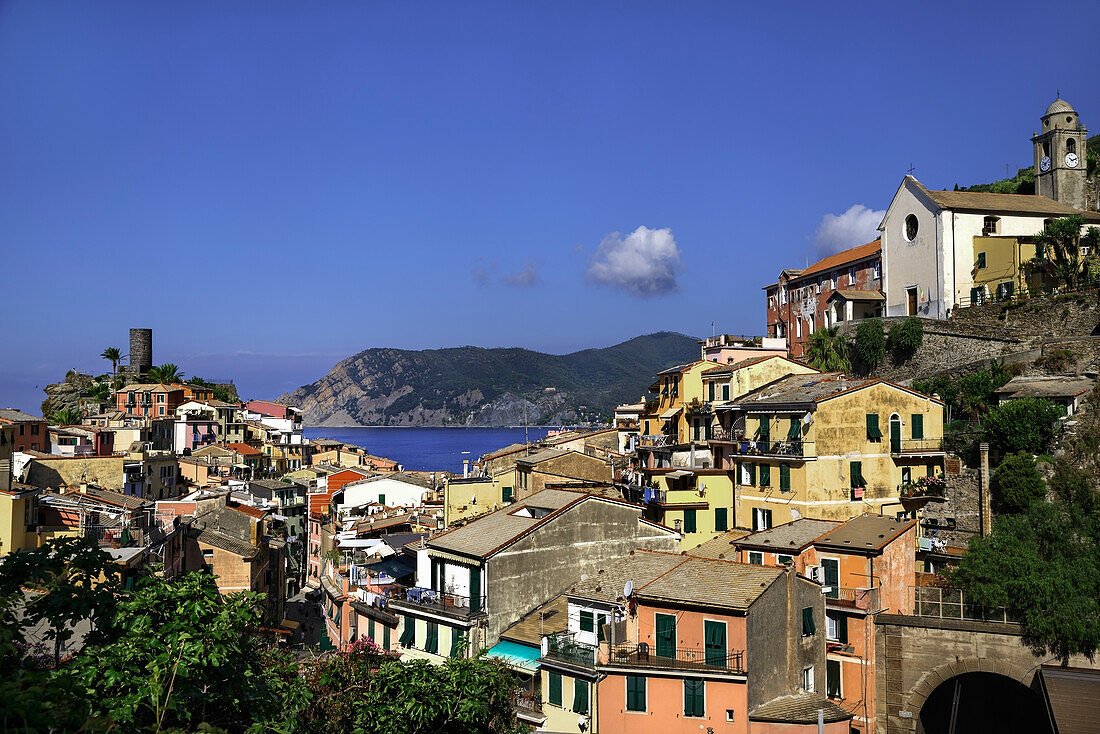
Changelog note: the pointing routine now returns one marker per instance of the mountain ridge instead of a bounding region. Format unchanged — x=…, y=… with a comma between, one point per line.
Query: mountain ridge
x=486, y=386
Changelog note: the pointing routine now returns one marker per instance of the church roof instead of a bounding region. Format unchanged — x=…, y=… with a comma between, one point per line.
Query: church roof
x=985, y=202
x=1059, y=105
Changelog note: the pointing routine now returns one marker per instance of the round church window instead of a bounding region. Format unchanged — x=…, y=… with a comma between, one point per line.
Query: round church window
x=911, y=227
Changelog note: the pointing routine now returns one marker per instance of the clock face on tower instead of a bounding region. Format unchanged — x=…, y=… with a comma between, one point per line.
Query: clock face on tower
x=1044, y=164
x=1071, y=160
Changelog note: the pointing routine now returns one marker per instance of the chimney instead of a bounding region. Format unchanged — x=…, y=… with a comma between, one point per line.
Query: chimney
x=986, y=503
x=465, y=468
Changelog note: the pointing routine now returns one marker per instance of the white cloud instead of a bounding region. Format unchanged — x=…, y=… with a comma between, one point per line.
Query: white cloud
x=525, y=278
x=644, y=263
x=857, y=226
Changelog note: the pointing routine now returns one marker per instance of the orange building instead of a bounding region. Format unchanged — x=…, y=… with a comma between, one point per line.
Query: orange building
x=150, y=400
x=791, y=543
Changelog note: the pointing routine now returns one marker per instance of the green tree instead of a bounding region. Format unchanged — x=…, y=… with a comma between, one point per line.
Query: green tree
x=869, y=347
x=905, y=338
x=166, y=373
x=1016, y=484
x=1061, y=241
x=827, y=350
x=100, y=391
x=1022, y=424
x=1045, y=565
x=114, y=356
x=66, y=417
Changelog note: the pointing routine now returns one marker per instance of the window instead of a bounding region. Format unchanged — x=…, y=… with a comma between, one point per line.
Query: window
x=665, y=626
x=756, y=558
x=1004, y=290
x=580, y=696
x=408, y=633
x=431, y=644
x=34, y=429
x=694, y=697
x=911, y=227
x=798, y=328
x=990, y=225
x=836, y=626
x=878, y=270
x=385, y=637
x=784, y=560
x=855, y=472
x=381, y=499
x=808, y=679
x=980, y=263
x=761, y=518
x=784, y=481
x=726, y=391
x=714, y=642
x=906, y=475
x=555, y=689
x=721, y=523
x=765, y=475
x=808, y=626
x=635, y=693
x=1071, y=144
x=832, y=679
x=601, y=623
x=689, y=521
x=874, y=433
x=588, y=622
x=161, y=410
x=852, y=275
x=506, y=495
x=917, y=426
x=710, y=391
x=830, y=569
x=930, y=470
x=457, y=640
x=730, y=715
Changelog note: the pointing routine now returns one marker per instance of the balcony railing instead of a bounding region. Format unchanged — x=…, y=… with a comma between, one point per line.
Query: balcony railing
x=527, y=702
x=442, y=601
x=562, y=648
x=862, y=599
x=916, y=445
x=940, y=603
x=786, y=447
x=640, y=654
x=658, y=441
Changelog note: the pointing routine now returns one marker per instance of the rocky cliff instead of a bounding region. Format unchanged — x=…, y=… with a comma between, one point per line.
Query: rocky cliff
x=487, y=387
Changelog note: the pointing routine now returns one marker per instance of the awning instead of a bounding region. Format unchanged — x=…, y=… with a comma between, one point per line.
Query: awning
x=670, y=413
x=677, y=474
x=523, y=658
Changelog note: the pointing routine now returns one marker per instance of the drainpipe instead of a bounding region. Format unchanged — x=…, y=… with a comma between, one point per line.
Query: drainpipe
x=986, y=504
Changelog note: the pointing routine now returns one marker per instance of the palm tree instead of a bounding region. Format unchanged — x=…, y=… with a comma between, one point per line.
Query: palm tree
x=166, y=373
x=66, y=417
x=1060, y=243
x=114, y=356
x=827, y=350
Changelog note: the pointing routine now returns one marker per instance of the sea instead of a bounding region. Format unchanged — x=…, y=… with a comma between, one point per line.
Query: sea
x=429, y=449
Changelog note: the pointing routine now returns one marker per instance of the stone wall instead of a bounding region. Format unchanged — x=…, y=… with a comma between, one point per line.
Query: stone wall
x=962, y=504
x=1044, y=317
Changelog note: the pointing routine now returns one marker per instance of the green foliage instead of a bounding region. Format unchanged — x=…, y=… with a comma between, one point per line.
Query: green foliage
x=66, y=417
x=869, y=347
x=969, y=395
x=112, y=355
x=827, y=350
x=166, y=373
x=220, y=393
x=1045, y=565
x=1022, y=183
x=905, y=338
x=1022, y=424
x=100, y=392
x=1061, y=240
x=1016, y=484
x=1058, y=360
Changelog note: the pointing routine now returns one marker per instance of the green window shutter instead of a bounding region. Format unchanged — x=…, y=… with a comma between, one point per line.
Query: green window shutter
x=456, y=642
x=635, y=693
x=873, y=431
x=752, y=474
x=689, y=521
x=981, y=261
x=580, y=696
x=710, y=392
x=764, y=433
x=381, y=499
x=432, y=643
x=694, y=697
x=601, y=621
x=795, y=431
x=785, y=477
x=765, y=475
x=918, y=426
x=665, y=625
x=555, y=689
x=385, y=637
x=370, y=628
x=714, y=639
x=408, y=633
x=726, y=391
x=506, y=495
x=832, y=678
x=475, y=589
x=855, y=473
x=721, y=524
x=930, y=470
x=587, y=623
x=842, y=628
x=808, y=627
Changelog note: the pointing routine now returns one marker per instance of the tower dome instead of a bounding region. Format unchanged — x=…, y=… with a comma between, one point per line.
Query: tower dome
x=1057, y=106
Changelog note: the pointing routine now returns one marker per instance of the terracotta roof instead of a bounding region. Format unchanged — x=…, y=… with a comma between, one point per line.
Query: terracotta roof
x=864, y=533
x=711, y=582
x=789, y=537
x=843, y=258
x=244, y=449
x=249, y=510
x=680, y=368
x=981, y=201
x=219, y=539
x=799, y=708
x=550, y=618
x=720, y=548
x=118, y=499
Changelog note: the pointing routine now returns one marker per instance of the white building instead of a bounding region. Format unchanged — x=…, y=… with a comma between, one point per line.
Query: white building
x=390, y=490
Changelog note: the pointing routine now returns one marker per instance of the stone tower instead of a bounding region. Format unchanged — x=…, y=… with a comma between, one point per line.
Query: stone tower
x=1060, y=155
x=141, y=350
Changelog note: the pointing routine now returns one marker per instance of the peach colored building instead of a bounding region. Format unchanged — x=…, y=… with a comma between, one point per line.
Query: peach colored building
x=791, y=543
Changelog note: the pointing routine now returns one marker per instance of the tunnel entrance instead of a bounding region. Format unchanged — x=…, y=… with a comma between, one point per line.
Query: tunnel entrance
x=983, y=703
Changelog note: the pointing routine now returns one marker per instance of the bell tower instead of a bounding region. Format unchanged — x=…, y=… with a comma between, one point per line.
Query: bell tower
x=1060, y=155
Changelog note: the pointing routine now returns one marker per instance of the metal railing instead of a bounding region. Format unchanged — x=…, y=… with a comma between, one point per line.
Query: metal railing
x=563, y=648
x=641, y=654
x=527, y=701
x=941, y=603
x=770, y=447
x=658, y=441
x=863, y=599
x=436, y=600
x=915, y=445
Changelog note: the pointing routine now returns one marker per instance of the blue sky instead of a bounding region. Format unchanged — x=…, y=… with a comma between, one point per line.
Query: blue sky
x=272, y=187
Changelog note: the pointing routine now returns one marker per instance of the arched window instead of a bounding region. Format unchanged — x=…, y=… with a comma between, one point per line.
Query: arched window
x=895, y=434
x=1071, y=145
x=911, y=227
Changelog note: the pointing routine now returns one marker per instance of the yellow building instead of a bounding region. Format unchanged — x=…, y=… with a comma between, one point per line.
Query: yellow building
x=663, y=422
x=998, y=270
x=695, y=502
x=18, y=518
x=826, y=446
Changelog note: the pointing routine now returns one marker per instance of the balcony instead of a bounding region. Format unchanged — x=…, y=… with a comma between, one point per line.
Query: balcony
x=795, y=448
x=639, y=654
x=657, y=441
x=528, y=705
x=859, y=599
x=916, y=446
x=562, y=648
x=940, y=603
x=452, y=605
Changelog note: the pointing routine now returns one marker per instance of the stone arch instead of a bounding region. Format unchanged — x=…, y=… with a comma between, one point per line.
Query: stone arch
x=942, y=673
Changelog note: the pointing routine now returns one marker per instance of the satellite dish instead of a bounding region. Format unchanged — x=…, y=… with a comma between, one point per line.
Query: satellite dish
x=628, y=589
x=808, y=418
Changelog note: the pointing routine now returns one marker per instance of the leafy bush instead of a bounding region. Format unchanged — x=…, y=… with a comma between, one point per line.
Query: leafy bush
x=1058, y=360
x=1024, y=424
x=1016, y=484
x=905, y=338
x=827, y=350
x=869, y=347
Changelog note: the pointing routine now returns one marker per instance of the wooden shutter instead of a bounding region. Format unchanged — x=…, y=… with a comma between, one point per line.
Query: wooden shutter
x=855, y=472
x=785, y=477
x=431, y=644
x=808, y=626
x=635, y=693
x=587, y=622
x=765, y=475
x=666, y=635
x=694, y=698
x=918, y=426
x=475, y=589
x=555, y=689
x=714, y=637
x=721, y=523
x=580, y=696
x=689, y=521
x=873, y=431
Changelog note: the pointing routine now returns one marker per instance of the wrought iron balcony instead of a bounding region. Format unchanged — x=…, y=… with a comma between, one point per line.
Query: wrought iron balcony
x=640, y=654
x=563, y=648
x=861, y=599
x=413, y=597
x=916, y=445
